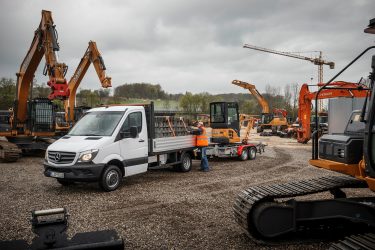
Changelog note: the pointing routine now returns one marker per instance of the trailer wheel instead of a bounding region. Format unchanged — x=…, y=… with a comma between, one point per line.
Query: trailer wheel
x=252, y=153
x=244, y=155
x=65, y=182
x=186, y=162
x=111, y=178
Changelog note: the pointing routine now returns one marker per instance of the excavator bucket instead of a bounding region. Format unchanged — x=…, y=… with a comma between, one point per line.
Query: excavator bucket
x=50, y=229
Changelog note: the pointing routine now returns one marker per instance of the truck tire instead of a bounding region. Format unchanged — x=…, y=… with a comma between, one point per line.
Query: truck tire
x=65, y=182
x=110, y=179
x=252, y=153
x=186, y=162
x=244, y=155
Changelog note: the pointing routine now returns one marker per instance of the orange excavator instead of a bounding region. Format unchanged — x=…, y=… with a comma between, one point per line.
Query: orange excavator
x=338, y=89
x=92, y=55
x=284, y=213
x=29, y=120
x=276, y=120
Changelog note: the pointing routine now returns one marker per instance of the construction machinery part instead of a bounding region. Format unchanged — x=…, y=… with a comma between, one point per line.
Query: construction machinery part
x=50, y=228
x=9, y=152
x=275, y=120
x=225, y=122
x=265, y=219
x=44, y=44
x=337, y=89
x=355, y=242
x=317, y=61
x=91, y=55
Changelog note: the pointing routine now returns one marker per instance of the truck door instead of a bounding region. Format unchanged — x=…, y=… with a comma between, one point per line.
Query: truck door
x=134, y=151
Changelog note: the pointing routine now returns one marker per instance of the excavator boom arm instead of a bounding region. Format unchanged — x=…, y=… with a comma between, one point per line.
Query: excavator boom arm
x=262, y=101
x=44, y=43
x=92, y=55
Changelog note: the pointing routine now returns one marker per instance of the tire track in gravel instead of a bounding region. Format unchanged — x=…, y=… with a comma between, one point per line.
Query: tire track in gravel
x=213, y=188
x=286, y=168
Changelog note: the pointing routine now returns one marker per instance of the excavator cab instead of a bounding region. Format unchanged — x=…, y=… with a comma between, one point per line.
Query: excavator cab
x=225, y=122
x=266, y=118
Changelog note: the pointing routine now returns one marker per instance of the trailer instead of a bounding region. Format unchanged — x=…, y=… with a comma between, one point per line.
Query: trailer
x=112, y=142
x=242, y=151
x=225, y=135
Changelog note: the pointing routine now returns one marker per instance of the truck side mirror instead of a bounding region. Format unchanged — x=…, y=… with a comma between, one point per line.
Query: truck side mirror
x=133, y=132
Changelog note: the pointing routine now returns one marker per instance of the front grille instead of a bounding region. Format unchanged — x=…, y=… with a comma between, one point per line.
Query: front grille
x=61, y=157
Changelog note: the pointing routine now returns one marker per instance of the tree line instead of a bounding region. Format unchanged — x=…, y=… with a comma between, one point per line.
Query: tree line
x=277, y=97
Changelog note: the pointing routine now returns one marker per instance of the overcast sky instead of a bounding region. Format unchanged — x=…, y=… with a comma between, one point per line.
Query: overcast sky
x=194, y=45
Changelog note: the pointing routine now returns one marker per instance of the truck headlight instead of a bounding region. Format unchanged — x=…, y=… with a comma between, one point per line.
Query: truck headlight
x=87, y=156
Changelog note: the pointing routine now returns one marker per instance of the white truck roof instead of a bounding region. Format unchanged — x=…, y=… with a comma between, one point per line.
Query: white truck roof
x=115, y=108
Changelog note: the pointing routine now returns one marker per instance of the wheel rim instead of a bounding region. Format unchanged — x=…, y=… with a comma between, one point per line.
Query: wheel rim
x=252, y=153
x=112, y=178
x=186, y=162
x=244, y=154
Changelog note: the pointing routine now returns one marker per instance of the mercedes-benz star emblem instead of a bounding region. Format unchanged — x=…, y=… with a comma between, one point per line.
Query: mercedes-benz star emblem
x=57, y=157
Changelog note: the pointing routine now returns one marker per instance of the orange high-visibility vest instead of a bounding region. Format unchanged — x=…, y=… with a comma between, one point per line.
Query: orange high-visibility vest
x=202, y=140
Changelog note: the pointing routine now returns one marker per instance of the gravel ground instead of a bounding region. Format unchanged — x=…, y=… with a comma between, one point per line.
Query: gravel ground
x=158, y=209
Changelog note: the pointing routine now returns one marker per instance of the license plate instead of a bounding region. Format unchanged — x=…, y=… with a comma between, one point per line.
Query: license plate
x=56, y=174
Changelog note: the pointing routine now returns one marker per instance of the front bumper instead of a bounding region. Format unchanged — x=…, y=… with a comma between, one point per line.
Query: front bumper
x=85, y=172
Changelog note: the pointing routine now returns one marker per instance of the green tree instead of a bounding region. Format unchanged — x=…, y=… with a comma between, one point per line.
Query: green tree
x=7, y=92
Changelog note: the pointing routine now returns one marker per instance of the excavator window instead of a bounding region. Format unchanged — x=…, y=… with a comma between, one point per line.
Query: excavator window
x=232, y=113
x=267, y=118
x=217, y=112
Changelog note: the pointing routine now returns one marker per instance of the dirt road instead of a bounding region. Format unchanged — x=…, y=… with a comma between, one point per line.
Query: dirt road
x=158, y=209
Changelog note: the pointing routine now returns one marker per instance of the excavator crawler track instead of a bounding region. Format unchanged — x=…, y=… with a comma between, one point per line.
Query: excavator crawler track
x=355, y=242
x=259, y=196
x=9, y=152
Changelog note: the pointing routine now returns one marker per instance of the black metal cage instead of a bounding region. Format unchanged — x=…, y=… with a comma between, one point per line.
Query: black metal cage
x=42, y=113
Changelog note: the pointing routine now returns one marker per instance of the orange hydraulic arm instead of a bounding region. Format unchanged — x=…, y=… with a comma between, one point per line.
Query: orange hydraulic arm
x=91, y=55
x=305, y=98
x=44, y=43
x=254, y=92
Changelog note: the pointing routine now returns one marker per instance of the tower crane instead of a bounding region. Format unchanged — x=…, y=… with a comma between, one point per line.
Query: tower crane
x=317, y=60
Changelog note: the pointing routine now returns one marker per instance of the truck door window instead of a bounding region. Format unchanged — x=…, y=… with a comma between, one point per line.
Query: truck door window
x=133, y=119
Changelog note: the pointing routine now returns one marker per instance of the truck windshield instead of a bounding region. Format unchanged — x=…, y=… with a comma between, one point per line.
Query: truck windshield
x=99, y=123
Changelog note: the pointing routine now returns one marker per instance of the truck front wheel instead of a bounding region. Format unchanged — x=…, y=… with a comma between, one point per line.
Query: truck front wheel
x=110, y=179
x=186, y=162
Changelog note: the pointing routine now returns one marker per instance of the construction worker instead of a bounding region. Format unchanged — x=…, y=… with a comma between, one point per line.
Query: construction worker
x=202, y=143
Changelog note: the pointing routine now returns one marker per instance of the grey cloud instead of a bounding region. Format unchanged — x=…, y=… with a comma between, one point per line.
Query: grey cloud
x=194, y=45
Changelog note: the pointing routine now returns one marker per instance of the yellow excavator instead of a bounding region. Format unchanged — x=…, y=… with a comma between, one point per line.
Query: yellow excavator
x=274, y=214
x=275, y=121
